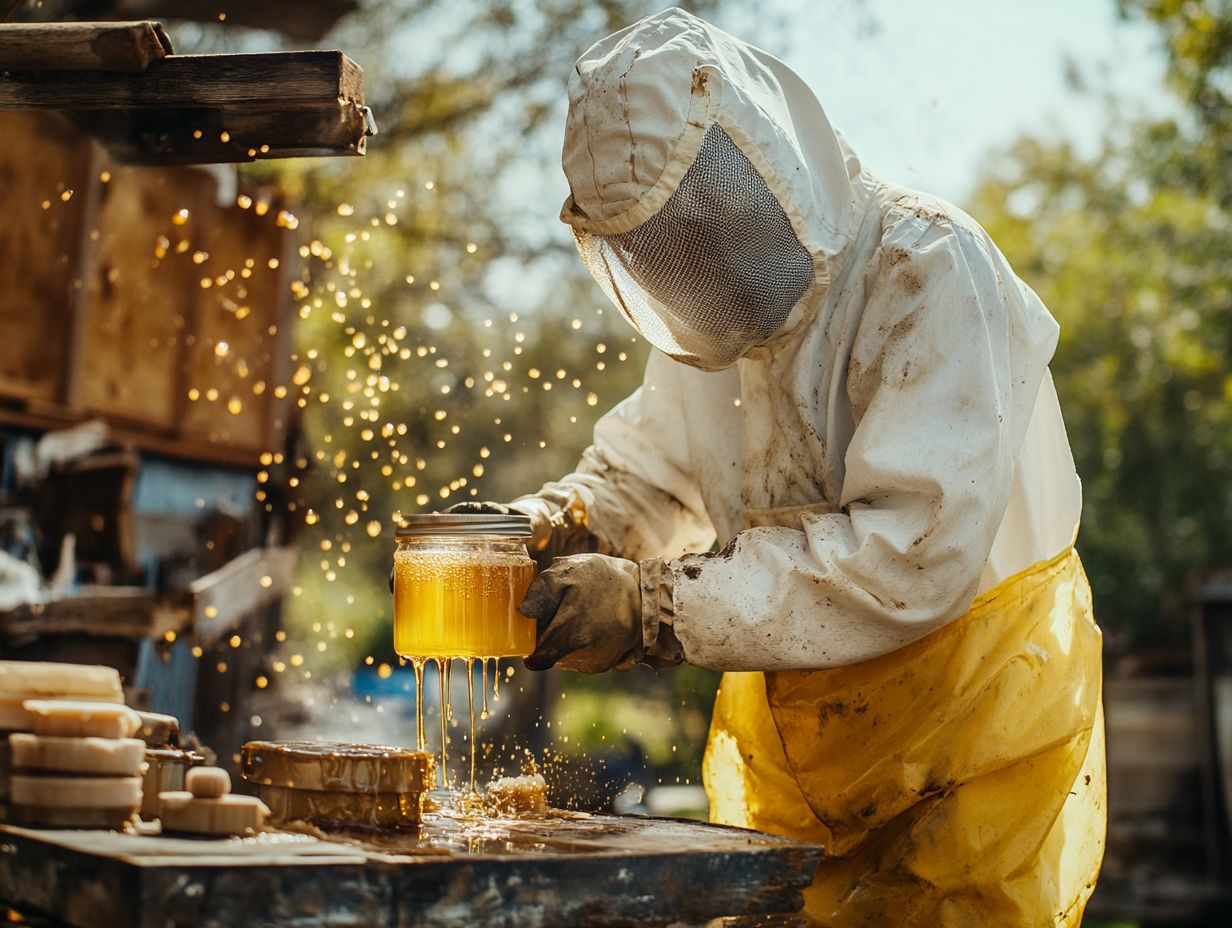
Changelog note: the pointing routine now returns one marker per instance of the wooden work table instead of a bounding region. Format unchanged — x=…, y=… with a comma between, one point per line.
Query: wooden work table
x=565, y=869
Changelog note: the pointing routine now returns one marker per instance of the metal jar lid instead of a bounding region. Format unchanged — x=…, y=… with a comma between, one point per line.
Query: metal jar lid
x=513, y=525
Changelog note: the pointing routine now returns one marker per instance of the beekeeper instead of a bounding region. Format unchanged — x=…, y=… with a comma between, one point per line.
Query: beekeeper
x=850, y=393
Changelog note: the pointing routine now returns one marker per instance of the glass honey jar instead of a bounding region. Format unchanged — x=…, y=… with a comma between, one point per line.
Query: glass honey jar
x=458, y=580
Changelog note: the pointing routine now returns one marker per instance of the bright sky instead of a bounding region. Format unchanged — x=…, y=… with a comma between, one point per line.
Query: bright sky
x=927, y=91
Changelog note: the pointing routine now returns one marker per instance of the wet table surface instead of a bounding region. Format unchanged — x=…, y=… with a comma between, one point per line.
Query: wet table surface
x=560, y=869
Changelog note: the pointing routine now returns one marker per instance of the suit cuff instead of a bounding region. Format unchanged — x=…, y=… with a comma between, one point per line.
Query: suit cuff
x=659, y=642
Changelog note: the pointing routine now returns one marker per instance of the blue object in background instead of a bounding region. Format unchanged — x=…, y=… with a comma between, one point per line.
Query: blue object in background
x=367, y=682
x=171, y=487
x=399, y=687
x=172, y=683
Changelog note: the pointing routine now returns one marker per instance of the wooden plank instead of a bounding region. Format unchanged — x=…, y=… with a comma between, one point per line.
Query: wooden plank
x=141, y=290
x=44, y=173
x=289, y=849
x=102, y=612
x=121, y=255
x=566, y=869
x=606, y=871
x=193, y=80
x=42, y=417
x=211, y=883
x=229, y=134
x=116, y=47
x=231, y=363
x=86, y=241
x=220, y=600
x=79, y=888
x=195, y=297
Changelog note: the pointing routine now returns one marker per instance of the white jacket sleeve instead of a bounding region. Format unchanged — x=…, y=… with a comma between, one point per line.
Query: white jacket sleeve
x=934, y=382
x=636, y=486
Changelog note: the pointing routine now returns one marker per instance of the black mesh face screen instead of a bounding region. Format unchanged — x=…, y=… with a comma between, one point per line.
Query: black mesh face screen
x=716, y=271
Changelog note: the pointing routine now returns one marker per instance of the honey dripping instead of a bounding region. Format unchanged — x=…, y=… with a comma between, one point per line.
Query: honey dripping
x=444, y=682
x=470, y=704
x=417, y=665
x=443, y=665
x=484, y=689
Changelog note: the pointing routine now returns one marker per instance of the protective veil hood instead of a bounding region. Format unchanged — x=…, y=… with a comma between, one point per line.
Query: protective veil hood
x=709, y=192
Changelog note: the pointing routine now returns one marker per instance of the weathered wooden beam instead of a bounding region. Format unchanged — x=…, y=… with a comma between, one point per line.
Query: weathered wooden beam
x=100, y=612
x=112, y=47
x=78, y=303
x=228, y=134
x=220, y=600
x=44, y=417
x=212, y=605
x=192, y=80
x=596, y=871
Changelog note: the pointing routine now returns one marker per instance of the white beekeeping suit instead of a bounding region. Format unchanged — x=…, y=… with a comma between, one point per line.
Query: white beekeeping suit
x=883, y=449
x=865, y=423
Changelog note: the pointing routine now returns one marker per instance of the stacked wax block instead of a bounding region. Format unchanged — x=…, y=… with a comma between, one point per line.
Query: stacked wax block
x=166, y=761
x=71, y=758
x=22, y=680
x=335, y=785
x=208, y=807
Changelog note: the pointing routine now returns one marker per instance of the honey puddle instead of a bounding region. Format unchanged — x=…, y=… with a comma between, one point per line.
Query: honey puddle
x=452, y=831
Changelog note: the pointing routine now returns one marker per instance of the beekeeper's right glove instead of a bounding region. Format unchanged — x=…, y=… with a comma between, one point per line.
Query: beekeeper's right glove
x=595, y=613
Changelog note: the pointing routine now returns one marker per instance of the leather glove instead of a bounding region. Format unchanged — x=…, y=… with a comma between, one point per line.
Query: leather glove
x=594, y=613
x=558, y=523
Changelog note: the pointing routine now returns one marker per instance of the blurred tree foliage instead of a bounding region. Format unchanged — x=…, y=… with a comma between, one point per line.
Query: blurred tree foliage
x=450, y=345
x=1132, y=251
x=664, y=714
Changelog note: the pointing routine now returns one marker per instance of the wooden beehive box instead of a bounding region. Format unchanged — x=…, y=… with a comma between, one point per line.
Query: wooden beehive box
x=135, y=295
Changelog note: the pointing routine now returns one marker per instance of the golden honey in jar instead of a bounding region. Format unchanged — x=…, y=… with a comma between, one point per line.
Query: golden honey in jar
x=458, y=581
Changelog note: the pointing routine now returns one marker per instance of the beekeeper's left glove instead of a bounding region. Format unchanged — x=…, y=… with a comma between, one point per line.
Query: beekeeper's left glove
x=595, y=613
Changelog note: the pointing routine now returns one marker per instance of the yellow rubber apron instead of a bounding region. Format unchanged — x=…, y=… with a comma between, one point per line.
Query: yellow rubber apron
x=958, y=781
